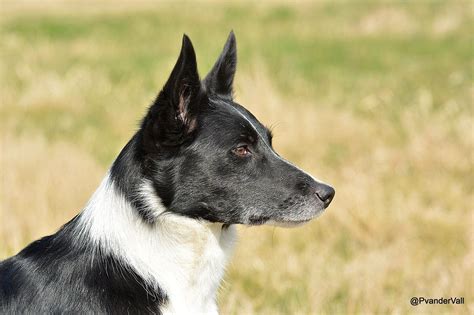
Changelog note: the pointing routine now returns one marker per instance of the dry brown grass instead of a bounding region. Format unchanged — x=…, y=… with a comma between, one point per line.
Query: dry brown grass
x=43, y=185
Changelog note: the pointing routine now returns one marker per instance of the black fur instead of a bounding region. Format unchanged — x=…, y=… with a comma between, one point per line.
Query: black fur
x=206, y=157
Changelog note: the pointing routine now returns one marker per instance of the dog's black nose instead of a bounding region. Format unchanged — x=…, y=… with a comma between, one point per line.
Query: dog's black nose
x=325, y=193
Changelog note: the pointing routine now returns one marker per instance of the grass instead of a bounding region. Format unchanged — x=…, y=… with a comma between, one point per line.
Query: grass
x=379, y=96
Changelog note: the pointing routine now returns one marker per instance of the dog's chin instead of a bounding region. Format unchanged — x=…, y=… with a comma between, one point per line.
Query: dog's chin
x=287, y=224
x=294, y=222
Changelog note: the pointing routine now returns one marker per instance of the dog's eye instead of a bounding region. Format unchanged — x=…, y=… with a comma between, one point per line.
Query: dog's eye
x=242, y=151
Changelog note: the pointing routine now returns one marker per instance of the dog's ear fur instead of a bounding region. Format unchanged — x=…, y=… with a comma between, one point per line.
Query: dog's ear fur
x=221, y=77
x=171, y=119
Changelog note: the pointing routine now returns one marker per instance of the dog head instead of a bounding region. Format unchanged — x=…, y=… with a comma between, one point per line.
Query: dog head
x=207, y=157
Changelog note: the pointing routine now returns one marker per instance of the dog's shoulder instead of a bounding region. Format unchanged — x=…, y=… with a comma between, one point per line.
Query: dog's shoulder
x=61, y=273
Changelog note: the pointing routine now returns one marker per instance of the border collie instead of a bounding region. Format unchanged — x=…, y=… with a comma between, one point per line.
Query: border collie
x=156, y=235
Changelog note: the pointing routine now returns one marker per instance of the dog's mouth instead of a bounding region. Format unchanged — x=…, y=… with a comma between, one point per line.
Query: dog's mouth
x=287, y=220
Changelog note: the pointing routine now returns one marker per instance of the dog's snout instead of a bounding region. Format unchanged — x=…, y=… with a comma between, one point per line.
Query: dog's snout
x=304, y=187
x=325, y=193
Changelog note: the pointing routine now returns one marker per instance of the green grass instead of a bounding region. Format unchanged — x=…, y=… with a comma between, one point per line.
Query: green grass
x=378, y=94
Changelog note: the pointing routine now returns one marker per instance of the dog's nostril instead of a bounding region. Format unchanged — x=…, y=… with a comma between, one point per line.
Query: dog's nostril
x=325, y=193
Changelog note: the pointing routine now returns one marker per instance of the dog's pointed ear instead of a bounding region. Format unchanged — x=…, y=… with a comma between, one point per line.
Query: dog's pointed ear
x=184, y=77
x=221, y=77
x=172, y=117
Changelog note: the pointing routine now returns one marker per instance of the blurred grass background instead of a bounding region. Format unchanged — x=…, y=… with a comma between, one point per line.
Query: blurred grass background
x=375, y=98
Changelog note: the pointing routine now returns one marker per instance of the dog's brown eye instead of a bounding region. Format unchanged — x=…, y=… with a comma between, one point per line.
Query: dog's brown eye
x=242, y=151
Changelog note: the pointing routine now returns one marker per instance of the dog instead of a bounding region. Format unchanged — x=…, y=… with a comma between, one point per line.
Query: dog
x=157, y=233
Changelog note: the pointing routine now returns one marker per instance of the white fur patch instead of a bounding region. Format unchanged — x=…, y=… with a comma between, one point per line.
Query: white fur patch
x=184, y=257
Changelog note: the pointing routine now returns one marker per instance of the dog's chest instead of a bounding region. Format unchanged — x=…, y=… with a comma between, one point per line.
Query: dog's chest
x=198, y=256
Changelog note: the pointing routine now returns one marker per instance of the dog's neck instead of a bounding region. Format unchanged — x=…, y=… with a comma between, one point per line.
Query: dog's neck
x=181, y=256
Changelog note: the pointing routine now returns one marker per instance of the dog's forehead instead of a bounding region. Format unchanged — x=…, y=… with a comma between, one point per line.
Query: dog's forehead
x=234, y=114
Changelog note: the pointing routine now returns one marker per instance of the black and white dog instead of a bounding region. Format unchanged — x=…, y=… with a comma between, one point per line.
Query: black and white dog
x=157, y=233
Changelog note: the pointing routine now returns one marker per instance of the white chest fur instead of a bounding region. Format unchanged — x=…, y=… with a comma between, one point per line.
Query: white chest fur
x=186, y=258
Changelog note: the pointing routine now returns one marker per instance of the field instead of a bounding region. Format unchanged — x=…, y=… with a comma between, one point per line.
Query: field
x=375, y=98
